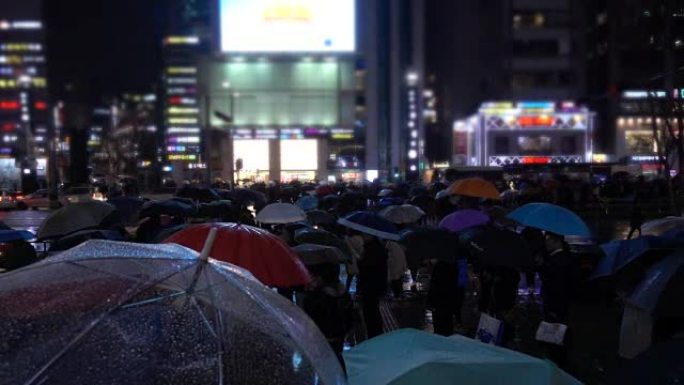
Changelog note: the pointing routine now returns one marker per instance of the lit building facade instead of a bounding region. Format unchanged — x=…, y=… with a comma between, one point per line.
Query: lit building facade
x=181, y=100
x=279, y=117
x=189, y=36
x=539, y=132
x=24, y=112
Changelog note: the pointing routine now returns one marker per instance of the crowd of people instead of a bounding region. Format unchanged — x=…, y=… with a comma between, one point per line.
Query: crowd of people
x=348, y=297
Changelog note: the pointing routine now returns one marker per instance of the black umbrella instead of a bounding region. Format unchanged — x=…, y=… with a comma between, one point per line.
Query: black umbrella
x=426, y=243
x=246, y=197
x=222, y=209
x=75, y=239
x=128, y=208
x=198, y=193
x=321, y=237
x=497, y=247
x=320, y=217
x=311, y=254
x=176, y=207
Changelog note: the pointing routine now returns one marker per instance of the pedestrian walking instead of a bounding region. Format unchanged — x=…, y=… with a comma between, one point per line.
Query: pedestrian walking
x=636, y=219
x=372, y=282
x=326, y=301
x=397, y=267
x=560, y=277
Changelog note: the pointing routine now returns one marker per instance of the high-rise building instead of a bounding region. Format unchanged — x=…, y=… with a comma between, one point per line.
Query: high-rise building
x=393, y=53
x=188, y=37
x=512, y=51
x=279, y=91
x=633, y=51
x=24, y=112
x=546, y=52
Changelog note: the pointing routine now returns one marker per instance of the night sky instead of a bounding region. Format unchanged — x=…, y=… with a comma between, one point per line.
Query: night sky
x=100, y=48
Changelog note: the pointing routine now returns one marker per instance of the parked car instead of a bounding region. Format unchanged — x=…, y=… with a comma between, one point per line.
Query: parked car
x=8, y=199
x=37, y=200
x=76, y=194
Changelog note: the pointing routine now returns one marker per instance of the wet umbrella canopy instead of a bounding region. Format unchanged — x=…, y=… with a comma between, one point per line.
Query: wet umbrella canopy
x=262, y=253
x=118, y=313
x=74, y=217
x=176, y=207
x=281, y=213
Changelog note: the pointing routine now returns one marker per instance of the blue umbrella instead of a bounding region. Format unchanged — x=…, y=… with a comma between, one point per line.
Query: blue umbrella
x=307, y=203
x=619, y=254
x=370, y=223
x=409, y=356
x=15, y=235
x=661, y=291
x=552, y=218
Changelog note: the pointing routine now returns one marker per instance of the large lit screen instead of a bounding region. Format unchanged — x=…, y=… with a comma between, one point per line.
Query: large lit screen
x=254, y=154
x=288, y=25
x=299, y=154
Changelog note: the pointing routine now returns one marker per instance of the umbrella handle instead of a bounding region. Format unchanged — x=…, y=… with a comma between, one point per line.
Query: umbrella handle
x=204, y=255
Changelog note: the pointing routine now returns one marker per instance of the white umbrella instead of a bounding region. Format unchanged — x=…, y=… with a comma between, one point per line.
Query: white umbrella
x=385, y=193
x=403, y=214
x=280, y=213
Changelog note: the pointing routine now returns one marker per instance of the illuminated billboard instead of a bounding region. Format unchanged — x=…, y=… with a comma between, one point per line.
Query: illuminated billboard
x=288, y=25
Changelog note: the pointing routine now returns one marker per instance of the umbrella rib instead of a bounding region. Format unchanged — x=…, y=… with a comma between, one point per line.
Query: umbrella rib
x=204, y=317
x=219, y=341
x=131, y=293
x=153, y=300
x=113, y=274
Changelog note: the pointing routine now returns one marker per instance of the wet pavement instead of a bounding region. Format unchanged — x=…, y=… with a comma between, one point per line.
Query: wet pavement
x=23, y=220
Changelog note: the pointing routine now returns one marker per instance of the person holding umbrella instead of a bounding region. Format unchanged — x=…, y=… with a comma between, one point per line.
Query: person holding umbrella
x=372, y=278
x=559, y=275
x=326, y=301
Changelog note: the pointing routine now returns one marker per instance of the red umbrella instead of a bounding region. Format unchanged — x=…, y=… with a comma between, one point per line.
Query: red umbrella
x=324, y=190
x=262, y=253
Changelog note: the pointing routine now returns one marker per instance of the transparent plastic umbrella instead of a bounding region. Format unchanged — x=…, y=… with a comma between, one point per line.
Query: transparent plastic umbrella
x=280, y=213
x=403, y=214
x=118, y=313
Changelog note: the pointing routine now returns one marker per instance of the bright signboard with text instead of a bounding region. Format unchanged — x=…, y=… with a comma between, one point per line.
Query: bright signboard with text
x=288, y=26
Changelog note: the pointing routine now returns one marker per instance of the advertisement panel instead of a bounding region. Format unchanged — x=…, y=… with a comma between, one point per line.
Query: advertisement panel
x=299, y=154
x=288, y=25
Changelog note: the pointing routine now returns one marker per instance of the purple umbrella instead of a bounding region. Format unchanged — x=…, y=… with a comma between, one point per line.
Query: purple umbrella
x=463, y=219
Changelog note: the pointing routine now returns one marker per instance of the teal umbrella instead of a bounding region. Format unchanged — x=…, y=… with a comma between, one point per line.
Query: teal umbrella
x=409, y=356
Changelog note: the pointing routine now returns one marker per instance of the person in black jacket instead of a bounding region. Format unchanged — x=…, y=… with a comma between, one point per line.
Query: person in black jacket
x=560, y=278
x=372, y=282
x=328, y=304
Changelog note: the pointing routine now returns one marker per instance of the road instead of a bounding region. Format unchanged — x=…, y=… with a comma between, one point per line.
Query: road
x=23, y=220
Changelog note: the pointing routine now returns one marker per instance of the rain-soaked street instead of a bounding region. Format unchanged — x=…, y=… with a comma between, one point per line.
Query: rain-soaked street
x=23, y=220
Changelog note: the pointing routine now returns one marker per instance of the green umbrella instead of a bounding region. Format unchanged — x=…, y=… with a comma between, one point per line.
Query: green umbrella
x=409, y=356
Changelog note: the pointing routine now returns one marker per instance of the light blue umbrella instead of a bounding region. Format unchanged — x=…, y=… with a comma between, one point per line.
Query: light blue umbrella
x=661, y=290
x=619, y=254
x=409, y=356
x=552, y=218
x=307, y=203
